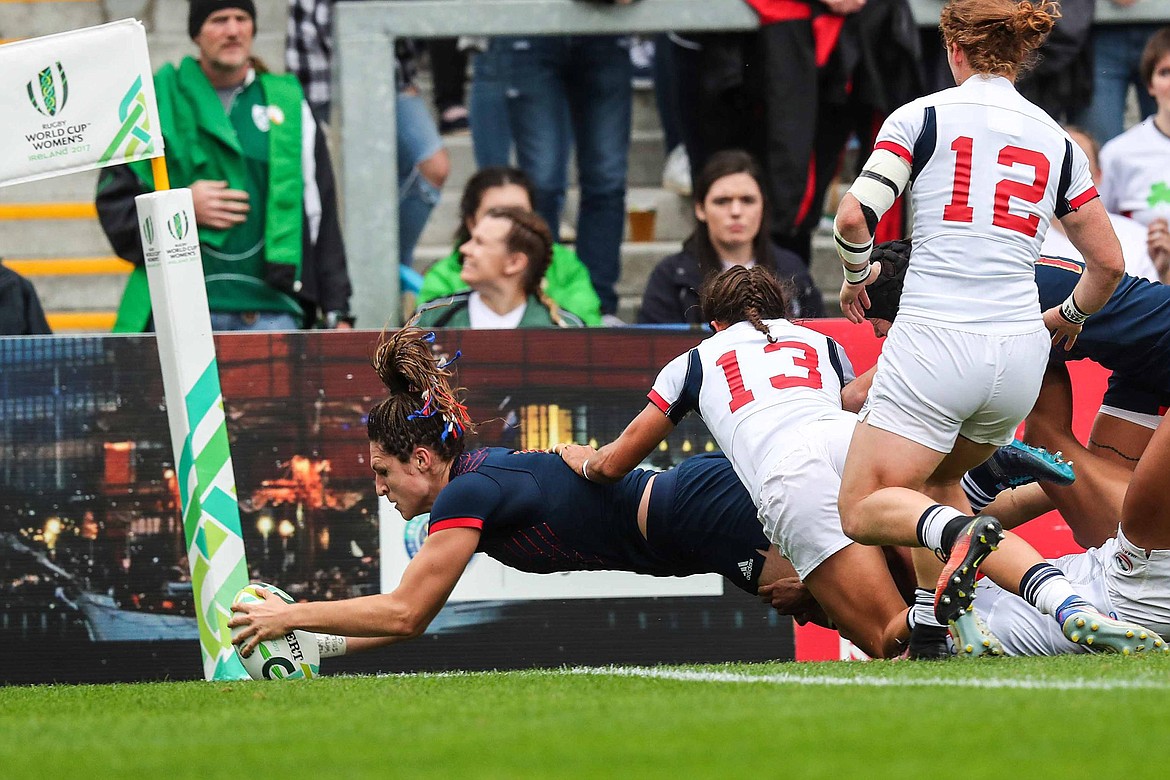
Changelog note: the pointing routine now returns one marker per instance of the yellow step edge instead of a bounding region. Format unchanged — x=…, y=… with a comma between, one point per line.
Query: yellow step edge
x=65, y=321
x=69, y=266
x=15, y=211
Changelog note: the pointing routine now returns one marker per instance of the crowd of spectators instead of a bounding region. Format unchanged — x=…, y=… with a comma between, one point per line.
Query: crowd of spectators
x=762, y=118
x=246, y=143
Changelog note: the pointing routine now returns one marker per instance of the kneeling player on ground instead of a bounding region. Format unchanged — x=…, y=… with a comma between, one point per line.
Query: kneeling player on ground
x=1128, y=576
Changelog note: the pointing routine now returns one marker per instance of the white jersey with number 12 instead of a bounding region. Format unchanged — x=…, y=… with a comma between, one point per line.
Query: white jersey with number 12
x=989, y=171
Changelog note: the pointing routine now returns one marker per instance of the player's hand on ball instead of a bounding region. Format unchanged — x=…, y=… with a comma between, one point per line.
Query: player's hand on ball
x=262, y=620
x=265, y=618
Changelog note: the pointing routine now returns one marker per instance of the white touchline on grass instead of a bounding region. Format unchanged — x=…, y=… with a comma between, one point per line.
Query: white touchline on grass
x=683, y=675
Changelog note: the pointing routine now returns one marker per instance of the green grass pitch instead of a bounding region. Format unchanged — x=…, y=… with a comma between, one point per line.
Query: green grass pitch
x=995, y=718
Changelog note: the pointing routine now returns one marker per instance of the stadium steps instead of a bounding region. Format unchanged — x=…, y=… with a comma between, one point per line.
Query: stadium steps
x=51, y=234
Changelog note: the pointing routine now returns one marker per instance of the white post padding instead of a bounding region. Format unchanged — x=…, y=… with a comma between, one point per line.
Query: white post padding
x=195, y=412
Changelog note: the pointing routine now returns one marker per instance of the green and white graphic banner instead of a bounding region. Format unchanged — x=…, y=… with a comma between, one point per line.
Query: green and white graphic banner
x=76, y=101
x=207, y=483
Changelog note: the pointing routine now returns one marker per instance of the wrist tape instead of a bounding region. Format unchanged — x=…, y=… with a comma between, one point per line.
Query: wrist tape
x=331, y=645
x=852, y=254
x=1072, y=312
x=859, y=277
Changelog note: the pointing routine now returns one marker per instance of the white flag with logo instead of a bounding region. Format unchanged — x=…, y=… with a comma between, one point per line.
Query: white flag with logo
x=76, y=101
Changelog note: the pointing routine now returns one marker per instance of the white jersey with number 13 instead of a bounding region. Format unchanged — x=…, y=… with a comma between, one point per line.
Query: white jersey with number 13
x=752, y=394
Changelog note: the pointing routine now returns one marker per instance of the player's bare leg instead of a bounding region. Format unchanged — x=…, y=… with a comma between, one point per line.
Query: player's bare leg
x=952, y=584
x=931, y=511
x=855, y=589
x=1092, y=503
x=1016, y=507
x=1145, y=514
x=1118, y=440
x=881, y=494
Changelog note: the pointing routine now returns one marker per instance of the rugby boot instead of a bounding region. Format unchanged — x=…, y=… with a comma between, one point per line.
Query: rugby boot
x=928, y=643
x=955, y=591
x=1018, y=464
x=1086, y=626
x=972, y=637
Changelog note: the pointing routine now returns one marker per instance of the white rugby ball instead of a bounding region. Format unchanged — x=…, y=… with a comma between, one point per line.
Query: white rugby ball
x=294, y=656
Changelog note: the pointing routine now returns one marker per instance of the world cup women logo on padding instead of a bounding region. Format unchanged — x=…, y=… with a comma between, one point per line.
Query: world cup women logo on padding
x=51, y=90
x=178, y=226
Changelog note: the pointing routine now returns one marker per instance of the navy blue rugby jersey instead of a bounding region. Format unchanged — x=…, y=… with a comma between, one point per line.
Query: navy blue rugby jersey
x=535, y=514
x=1130, y=335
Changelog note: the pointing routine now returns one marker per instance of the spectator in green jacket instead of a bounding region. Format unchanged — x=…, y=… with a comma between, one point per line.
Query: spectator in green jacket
x=504, y=263
x=567, y=280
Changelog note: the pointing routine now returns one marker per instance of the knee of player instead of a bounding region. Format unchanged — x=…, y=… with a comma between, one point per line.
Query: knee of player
x=850, y=522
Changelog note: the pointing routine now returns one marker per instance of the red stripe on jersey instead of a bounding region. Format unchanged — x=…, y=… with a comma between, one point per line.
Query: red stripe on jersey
x=1162, y=410
x=658, y=401
x=1083, y=198
x=456, y=522
x=1059, y=262
x=897, y=149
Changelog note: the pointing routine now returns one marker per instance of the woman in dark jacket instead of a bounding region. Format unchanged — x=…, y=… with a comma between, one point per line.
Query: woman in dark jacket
x=731, y=228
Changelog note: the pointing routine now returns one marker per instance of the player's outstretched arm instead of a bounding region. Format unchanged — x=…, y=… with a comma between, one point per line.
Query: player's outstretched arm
x=402, y=614
x=621, y=456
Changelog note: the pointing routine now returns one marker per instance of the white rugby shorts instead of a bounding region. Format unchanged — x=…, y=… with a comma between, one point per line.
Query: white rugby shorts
x=934, y=384
x=798, y=495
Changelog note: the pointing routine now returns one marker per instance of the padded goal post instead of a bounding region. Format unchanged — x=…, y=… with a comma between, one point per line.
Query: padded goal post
x=83, y=100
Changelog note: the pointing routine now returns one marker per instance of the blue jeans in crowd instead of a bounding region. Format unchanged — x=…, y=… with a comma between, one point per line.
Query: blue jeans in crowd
x=259, y=320
x=589, y=78
x=418, y=140
x=1117, y=55
x=491, y=135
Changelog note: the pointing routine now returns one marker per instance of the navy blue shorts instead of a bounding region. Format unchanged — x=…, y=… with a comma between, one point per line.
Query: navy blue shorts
x=701, y=515
x=1131, y=396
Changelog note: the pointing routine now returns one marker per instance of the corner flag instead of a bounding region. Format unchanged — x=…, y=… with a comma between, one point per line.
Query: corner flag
x=75, y=101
